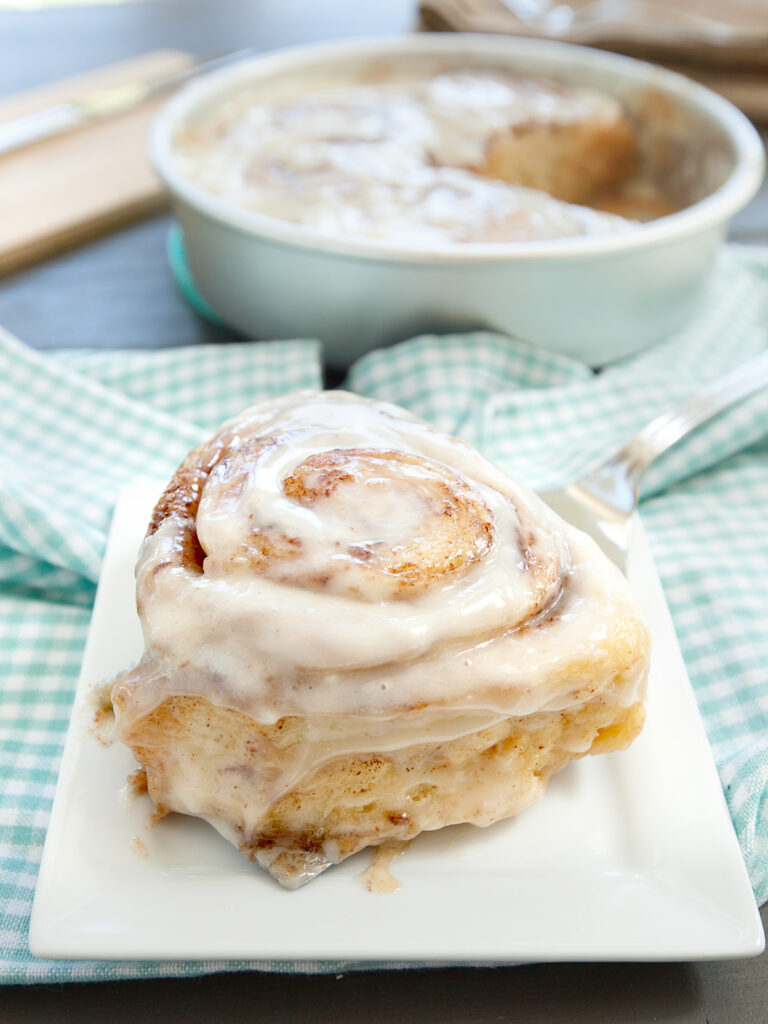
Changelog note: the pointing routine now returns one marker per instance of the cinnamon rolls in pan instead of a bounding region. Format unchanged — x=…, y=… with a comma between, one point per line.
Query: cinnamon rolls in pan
x=431, y=156
x=358, y=629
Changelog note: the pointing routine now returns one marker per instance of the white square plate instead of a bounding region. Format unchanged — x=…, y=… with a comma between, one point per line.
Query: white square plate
x=630, y=856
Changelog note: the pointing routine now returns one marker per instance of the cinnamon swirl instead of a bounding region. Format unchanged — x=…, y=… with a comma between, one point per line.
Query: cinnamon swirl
x=358, y=629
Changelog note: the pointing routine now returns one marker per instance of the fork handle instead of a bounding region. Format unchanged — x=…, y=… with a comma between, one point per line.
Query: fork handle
x=670, y=427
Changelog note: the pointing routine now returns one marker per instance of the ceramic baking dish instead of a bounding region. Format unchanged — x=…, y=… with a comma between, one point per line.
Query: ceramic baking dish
x=596, y=299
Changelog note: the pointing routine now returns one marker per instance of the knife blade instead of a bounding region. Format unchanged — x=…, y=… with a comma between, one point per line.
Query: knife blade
x=101, y=104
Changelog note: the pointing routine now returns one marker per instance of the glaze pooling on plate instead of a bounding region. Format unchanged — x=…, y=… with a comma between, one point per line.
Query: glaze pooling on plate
x=357, y=629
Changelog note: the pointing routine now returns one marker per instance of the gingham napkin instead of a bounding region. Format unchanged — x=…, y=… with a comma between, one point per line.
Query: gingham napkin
x=76, y=426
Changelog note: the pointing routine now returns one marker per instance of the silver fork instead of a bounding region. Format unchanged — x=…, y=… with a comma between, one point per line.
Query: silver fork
x=603, y=502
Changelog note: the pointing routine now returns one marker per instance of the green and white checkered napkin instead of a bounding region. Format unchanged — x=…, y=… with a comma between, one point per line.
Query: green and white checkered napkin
x=77, y=426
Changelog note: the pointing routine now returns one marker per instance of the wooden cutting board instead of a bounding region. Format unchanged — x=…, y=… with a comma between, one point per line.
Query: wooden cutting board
x=62, y=191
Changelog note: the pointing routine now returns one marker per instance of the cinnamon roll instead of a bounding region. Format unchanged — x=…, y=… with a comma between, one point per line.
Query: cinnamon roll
x=358, y=629
x=454, y=155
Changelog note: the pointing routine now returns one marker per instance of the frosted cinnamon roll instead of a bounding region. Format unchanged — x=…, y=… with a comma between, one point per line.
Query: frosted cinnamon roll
x=358, y=629
x=457, y=156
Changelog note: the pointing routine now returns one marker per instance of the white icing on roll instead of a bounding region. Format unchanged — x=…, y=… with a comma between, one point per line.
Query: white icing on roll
x=467, y=627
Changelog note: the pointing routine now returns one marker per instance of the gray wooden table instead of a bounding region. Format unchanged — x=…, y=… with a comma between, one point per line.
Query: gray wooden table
x=118, y=293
